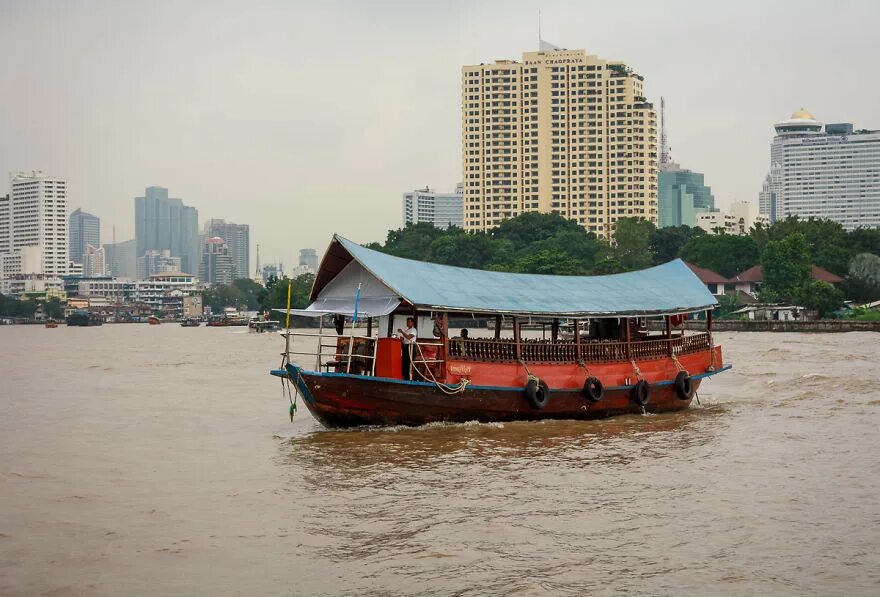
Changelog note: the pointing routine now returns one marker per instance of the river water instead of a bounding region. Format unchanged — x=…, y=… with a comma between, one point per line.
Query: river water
x=148, y=460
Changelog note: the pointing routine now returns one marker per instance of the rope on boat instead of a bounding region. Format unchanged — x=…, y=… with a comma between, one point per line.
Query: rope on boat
x=285, y=386
x=583, y=365
x=445, y=388
x=529, y=375
x=638, y=371
x=678, y=363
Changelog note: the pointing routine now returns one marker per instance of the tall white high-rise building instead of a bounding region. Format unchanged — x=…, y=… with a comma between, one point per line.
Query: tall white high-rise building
x=832, y=174
x=442, y=210
x=33, y=218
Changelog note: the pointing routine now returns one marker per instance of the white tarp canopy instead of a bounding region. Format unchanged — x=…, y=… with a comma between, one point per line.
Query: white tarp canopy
x=339, y=295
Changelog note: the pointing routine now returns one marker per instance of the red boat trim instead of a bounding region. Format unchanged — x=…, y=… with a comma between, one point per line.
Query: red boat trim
x=283, y=373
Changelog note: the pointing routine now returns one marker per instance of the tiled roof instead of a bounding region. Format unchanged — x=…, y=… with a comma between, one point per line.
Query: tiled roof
x=707, y=276
x=756, y=275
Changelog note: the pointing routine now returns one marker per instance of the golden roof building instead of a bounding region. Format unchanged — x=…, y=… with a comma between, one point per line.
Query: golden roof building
x=562, y=131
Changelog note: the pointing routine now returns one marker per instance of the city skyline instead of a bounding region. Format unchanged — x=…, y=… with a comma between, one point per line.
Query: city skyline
x=219, y=111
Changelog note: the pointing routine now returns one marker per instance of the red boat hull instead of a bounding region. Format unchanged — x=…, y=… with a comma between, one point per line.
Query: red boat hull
x=341, y=400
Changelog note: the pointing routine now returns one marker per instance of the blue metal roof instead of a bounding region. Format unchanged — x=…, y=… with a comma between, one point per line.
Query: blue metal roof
x=664, y=289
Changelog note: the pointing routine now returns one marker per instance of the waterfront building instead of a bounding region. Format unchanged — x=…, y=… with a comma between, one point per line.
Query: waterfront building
x=441, y=210
x=33, y=286
x=121, y=259
x=237, y=238
x=157, y=262
x=84, y=229
x=683, y=196
x=217, y=267
x=34, y=214
x=739, y=219
x=165, y=292
x=832, y=174
x=308, y=258
x=562, y=131
x=715, y=282
x=163, y=223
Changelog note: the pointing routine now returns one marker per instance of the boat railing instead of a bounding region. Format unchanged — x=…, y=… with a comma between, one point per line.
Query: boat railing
x=350, y=354
x=591, y=351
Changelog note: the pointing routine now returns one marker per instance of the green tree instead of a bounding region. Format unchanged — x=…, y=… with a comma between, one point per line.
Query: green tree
x=301, y=288
x=247, y=293
x=820, y=296
x=632, y=240
x=726, y=254
x=548, y=261
x=863, y=282
x=666, y=243
x=412, y=241
x=828, y=244
x=52, y=308
x=786, y=266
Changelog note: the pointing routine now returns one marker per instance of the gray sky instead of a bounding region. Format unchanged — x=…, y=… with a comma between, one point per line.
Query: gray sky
x=304, y=119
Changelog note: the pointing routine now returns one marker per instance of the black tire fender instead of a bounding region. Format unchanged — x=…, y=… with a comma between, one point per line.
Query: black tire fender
x=593, y=390
x=641, y=393
x=538, y=393
x=684, y=386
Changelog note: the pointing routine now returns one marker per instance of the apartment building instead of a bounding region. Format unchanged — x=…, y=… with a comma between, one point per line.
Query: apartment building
x=562, y=131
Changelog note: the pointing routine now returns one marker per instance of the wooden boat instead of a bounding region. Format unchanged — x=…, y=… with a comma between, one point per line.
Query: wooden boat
x=84, y=318
x=190, y=322
x=626, y=352
x=153, y=320
x=51, y=323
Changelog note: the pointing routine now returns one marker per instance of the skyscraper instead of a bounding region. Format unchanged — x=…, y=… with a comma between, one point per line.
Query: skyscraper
x=93, y=262
x=563, y=131
x=308, y=258
x=832, y=174
x=84, y=229
x=441, y=210
x=238, y=239
x=163, y=223
x=120, y=259
x=217, y=267
x=683, y=195
x=33, y=225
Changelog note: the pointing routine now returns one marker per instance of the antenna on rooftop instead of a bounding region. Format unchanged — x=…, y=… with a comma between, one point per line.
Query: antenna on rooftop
x=539, y=29
x=664, y=146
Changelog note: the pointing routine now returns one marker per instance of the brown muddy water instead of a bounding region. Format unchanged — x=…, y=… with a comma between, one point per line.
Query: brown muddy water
x=160, y=460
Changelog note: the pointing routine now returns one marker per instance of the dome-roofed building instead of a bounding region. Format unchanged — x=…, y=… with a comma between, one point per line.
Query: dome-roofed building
x=825, y=172
x=800, y=123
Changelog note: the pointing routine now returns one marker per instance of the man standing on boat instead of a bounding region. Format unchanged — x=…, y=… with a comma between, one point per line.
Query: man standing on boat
x=409, y=339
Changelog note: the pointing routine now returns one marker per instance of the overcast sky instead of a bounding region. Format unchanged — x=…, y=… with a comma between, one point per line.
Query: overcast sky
x=305, y=119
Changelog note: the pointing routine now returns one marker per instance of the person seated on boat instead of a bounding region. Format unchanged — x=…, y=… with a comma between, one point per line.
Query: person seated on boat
x=409, y=335
x=464, y=334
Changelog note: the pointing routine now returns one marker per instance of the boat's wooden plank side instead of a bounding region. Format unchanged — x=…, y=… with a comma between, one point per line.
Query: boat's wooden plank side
x=338, y=401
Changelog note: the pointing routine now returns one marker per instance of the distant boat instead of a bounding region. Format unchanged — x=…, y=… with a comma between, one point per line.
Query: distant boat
x=84, y=318
x=191, y=322
x=222, y=321
x=264, y=325
x=612, y=363
x=51, y=323
x=153, y=320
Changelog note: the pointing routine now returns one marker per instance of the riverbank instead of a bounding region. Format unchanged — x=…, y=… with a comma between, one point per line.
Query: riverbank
x=820, y=326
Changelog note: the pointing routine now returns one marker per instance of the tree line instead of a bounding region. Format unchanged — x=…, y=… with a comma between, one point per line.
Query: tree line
x=540, y=243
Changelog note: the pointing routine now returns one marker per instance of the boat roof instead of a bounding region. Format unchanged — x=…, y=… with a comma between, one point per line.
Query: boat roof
x=386, y=281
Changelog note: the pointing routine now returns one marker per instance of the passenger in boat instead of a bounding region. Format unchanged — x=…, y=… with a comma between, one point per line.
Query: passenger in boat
x=464, y=334
x=409, y=336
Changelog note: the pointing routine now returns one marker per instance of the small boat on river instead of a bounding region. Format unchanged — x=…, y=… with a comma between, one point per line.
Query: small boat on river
x=153, y=320
x=51, y=323
x=84, y=318
x=625, y=352
x=190, y=322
